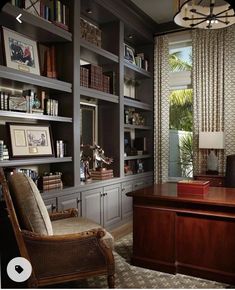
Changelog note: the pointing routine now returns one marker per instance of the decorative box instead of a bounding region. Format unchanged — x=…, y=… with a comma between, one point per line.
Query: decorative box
x=193, y=186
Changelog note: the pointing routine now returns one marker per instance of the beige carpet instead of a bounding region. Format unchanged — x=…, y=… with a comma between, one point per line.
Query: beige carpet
x=128, y=276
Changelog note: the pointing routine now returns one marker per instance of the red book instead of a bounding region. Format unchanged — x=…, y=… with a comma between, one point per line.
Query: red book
x=193, y=186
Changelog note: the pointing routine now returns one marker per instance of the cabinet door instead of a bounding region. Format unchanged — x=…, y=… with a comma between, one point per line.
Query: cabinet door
x=70, y=201
x=51, y=204
x=126, y=200
x=112, y=204
x=92, y=207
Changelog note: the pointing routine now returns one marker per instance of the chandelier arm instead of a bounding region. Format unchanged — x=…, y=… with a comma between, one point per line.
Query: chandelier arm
x=223, y=11
x=222, y=21
x=218, y=17
x=198, y=18
x=198, y=13
x=199, y=22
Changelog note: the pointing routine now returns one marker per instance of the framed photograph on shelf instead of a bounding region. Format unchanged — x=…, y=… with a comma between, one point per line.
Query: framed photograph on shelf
x=129, y=53
x=21, y=52
x=29, y=140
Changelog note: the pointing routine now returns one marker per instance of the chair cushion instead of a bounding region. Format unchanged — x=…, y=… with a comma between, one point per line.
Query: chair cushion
x=29, y=205
x=76, y=225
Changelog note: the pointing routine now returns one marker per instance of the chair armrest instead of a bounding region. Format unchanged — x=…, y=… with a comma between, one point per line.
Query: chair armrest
x=72, y=212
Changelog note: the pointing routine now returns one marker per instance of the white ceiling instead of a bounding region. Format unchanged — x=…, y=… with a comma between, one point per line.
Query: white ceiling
x=159, y=10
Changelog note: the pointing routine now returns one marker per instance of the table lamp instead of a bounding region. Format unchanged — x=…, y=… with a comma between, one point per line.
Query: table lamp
x=211, y=140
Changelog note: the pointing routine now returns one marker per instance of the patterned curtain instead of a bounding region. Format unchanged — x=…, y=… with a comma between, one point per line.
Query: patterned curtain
x=213, y=87
x=161, y=108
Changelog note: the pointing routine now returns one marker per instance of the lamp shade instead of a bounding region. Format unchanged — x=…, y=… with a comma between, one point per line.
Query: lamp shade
x=211, y=140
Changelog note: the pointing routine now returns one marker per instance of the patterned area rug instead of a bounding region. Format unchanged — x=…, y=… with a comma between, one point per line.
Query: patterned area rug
x=128, y=276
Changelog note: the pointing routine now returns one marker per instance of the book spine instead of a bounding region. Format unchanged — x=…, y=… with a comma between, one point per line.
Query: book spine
x=49, y=177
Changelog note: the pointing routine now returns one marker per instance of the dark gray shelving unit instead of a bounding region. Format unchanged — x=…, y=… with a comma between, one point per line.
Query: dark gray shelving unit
x=34, y=161
x=16, y=78
x=19, y=115
x=33, y=26
x=99, y=95
x=116, y=21
x=103, y=55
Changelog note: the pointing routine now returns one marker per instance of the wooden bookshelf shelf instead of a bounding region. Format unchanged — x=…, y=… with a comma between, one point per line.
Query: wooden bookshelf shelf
x=21, y=115
x=10, y=74
x=137, y=157
x=103, y=55
x=33, y=161
x=95, y=94
x=136, y=104
x=136, y=71
x=32, y=26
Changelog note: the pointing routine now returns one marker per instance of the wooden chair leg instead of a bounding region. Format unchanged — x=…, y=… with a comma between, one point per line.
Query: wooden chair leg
x=111, y=281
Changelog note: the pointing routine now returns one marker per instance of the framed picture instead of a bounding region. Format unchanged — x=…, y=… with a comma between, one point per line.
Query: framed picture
x=21, y=52
x=129, y=53
x=29, y=140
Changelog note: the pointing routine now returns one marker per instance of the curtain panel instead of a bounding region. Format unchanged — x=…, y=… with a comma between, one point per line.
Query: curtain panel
x=213, y=87
x=161, y=108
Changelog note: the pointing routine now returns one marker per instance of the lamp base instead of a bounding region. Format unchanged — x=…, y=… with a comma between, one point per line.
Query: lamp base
x=212, y=172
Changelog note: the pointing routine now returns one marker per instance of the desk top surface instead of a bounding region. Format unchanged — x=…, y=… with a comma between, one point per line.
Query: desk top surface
x=168, y=191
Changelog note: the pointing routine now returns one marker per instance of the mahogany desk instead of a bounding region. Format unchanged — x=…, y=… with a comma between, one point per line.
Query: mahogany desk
x=189, y=234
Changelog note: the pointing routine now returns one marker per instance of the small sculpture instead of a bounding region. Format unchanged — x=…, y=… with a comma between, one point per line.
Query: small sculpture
x=99, y=158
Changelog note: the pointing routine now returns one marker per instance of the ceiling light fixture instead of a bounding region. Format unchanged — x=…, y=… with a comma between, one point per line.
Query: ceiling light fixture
x=207, y=14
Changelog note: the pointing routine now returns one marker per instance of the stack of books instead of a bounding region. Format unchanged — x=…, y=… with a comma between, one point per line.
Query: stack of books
x=50, y=182
x=95, y=76
x=102, y=174
x=92, y=76
x=84, y=77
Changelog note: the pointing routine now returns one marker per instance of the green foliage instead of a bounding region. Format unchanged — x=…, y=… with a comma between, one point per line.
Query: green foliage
x=186, y=155
x=177, y=64
x=181, y=110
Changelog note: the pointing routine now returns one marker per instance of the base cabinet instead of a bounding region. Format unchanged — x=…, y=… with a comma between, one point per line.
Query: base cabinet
x=112, y=205
x=102, y=205
x=92, y=205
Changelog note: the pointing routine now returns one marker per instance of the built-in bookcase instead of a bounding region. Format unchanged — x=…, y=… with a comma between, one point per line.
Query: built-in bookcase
x=118, y=25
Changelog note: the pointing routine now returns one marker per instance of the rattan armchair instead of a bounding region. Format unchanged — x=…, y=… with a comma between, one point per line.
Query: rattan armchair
x=60, y=258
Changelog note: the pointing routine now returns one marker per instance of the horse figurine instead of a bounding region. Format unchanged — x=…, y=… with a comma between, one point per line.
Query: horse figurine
x=100, y=158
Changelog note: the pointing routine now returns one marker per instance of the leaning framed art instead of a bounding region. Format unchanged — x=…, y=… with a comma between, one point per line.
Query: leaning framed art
x=21, y=52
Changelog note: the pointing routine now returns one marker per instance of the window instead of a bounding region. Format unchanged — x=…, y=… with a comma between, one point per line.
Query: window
x=181, y=108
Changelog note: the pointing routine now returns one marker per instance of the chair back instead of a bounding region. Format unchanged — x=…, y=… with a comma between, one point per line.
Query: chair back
x=12, y=215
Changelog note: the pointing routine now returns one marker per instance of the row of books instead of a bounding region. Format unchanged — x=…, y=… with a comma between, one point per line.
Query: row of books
x=4, y=154
x=51, y=107
x=141, y=61
x=51, y=10
x=29, y=172
x=28, y=103
x=102, y=174
x=20, y=103
x=134, y=167
x=92, y=76
x=60, y=148
x=50, y=182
